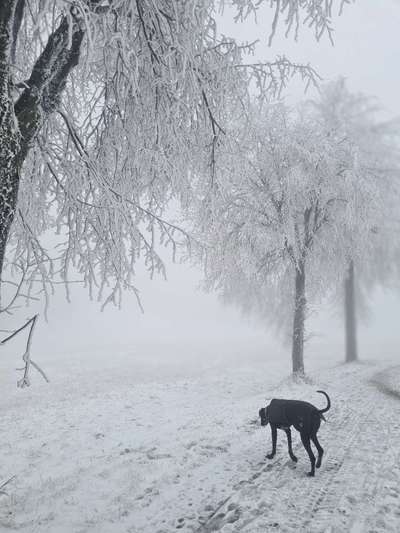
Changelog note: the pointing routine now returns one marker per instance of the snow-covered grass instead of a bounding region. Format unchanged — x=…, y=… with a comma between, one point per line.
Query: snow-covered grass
x=116, y=443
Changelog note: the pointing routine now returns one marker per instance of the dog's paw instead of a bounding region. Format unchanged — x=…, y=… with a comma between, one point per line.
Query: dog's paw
x=293, y=458
x=310, y=474
x=270, y=455
x=318, y=465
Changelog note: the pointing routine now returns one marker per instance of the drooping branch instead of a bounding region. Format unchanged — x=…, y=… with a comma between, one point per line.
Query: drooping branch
x=25, y=381
x=10, y=306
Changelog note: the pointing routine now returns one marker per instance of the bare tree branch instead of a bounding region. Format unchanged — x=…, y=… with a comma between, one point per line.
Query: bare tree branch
x=25, y=381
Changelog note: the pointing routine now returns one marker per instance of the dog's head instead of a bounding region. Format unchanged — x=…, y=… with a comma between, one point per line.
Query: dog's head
x=263, y=414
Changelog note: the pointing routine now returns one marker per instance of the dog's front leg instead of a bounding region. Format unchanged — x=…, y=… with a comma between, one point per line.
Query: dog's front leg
x=289, y=442
x=274, y=435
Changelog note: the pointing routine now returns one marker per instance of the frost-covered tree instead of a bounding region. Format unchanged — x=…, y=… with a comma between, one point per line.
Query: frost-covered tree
x=107, y=107
x=276, y=223
x=374, y=242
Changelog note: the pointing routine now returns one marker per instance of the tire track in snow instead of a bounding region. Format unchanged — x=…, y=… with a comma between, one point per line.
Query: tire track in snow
x=347, y=479
x=325, y=499
x=355, y=488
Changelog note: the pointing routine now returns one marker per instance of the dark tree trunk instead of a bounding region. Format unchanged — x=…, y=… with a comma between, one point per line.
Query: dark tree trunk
x=20, y=121
x=350, y=316
x=299, y=320
x=9, y=133
x=9, y=182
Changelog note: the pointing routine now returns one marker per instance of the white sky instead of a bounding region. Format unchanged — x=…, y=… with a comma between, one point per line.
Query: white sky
x=366, y=48
x=179, y=318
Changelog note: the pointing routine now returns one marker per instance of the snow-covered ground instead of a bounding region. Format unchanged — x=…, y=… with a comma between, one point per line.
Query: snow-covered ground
x=388, y=381
x=116, y=444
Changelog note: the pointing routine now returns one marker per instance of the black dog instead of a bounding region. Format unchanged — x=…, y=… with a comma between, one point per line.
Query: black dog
x=281, y=414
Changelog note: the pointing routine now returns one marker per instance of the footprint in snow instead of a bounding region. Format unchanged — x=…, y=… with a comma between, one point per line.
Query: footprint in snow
x=153, y=456
x=181, y=523
x=217, y=522
x=125, y=451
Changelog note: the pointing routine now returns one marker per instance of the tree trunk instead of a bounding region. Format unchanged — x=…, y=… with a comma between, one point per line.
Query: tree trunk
x=9, y=182
x=299, y=320
x=350, y=316
x=9, y=132
x=20, y=121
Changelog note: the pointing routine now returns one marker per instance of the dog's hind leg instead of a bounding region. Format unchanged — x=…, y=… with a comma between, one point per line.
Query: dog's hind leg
x=274, y=434
x=319, y=448
x=289, y=442
x=305, y=439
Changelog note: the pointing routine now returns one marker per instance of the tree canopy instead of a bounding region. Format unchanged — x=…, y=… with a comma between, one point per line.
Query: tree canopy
x=108, y=107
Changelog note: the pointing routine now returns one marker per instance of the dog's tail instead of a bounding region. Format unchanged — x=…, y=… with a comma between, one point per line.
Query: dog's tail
x=328, y=405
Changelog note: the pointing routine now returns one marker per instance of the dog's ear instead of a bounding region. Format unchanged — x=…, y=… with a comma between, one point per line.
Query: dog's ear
x=263, y=416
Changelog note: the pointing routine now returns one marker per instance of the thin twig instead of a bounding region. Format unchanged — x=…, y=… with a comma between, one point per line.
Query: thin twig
x=24, y=381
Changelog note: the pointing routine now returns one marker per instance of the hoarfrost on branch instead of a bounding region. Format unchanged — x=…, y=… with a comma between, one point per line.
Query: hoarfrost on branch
x=113, y=106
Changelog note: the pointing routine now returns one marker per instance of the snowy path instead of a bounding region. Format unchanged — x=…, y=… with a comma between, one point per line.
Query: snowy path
x=356, y=490
x=190, y=456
